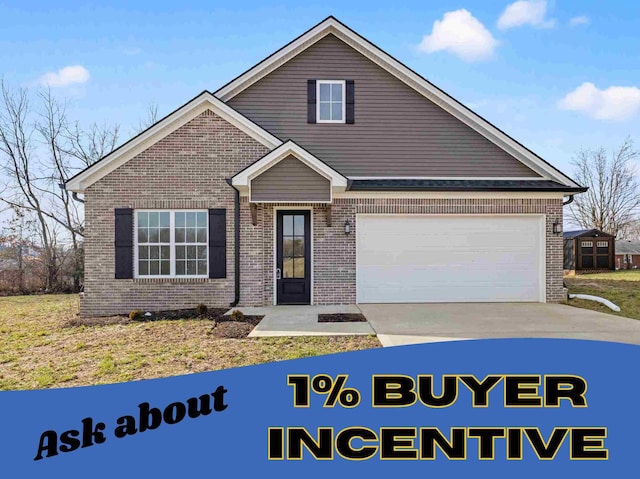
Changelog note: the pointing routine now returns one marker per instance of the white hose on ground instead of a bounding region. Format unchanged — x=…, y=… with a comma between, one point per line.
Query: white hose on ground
x=606, y=302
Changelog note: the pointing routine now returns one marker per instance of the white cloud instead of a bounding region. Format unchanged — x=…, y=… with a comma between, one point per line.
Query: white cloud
x=65, y=76
x=615, y=103
x=581, y=20
x=525, y=12
x=462, y=34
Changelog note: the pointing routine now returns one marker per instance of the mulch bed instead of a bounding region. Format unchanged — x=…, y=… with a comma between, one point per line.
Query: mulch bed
x=223, y=326
x=342, y=318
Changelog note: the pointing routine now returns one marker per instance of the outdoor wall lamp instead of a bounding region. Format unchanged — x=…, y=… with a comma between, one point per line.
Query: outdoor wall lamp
x=347, y=227
x=557, y=227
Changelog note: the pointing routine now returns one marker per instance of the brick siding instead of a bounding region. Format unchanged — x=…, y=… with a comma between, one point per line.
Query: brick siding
x=187, y=170
x=620, y=263
x=334, y=253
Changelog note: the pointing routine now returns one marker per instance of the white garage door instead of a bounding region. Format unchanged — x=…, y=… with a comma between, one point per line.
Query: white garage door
x=417, y=258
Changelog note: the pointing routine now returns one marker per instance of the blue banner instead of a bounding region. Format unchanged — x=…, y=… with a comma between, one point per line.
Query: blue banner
x=487, y=408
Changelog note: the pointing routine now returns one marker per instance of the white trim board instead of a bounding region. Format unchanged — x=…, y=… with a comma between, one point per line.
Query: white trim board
x=332, y=26
x=203, y=102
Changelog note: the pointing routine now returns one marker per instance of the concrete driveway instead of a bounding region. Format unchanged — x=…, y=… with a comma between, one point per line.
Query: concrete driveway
x=397, y=324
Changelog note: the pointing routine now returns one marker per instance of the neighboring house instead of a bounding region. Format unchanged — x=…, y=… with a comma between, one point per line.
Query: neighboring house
x=588, y=251
x=627, y=254
x=329, y=173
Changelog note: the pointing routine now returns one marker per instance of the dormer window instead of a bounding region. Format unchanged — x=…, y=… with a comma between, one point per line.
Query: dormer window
x=330, y=101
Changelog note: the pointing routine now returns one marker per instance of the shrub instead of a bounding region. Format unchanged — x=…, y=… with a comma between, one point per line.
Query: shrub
x=237, y=315
x=201, y=308
x=136, y=315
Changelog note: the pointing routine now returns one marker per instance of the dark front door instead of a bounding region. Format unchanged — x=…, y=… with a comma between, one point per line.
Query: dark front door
x=293, y=257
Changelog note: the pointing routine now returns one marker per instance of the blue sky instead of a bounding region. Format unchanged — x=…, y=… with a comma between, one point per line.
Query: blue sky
x=556, y=75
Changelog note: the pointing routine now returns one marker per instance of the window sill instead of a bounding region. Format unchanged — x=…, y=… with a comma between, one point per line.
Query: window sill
x=174, y=280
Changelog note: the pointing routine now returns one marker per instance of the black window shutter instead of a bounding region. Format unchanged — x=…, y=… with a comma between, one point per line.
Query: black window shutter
x=311, y=101
x=124, y=243
x=350, y=99
x=218, y=243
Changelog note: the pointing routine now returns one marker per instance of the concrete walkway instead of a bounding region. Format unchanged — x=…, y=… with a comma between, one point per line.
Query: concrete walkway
x=397, y=324
x=303, y=321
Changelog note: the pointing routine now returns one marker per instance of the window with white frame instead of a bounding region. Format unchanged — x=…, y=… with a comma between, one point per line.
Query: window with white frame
x=171, y=243
x=330, y=101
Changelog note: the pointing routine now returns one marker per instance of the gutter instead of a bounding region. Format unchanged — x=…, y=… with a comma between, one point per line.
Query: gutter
x=236, y=297
x=74, y=194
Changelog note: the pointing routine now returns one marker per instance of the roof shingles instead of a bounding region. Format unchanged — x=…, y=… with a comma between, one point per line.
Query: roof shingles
x=460, y=185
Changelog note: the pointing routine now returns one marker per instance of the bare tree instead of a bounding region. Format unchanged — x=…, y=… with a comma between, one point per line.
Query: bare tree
x=52, y=127
x=631, y=231
x=150, y=118
x=40, y=149
x=612, y=203
x=17, y=143
x=88, y=146
x=15, y=242
x=39, y=152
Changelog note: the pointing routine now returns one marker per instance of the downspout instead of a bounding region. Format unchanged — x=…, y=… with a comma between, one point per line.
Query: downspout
x=236, y=298
x=74, y=194
x=569, y=201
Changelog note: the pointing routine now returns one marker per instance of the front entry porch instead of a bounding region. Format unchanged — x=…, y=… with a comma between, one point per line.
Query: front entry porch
x=303, y=321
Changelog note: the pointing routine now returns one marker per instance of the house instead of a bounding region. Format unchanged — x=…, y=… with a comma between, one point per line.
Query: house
x=328, y=173
x=588, y=251
x=627, y=254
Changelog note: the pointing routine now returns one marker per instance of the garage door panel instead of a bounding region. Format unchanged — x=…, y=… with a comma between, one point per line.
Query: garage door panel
x=438, y=293
x=448, y=258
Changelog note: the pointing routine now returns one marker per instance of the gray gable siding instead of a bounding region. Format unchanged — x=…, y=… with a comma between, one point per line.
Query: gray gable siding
x=397, y=131
x=290, y=180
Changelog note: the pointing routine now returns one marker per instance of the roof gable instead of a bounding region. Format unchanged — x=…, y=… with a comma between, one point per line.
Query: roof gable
x=287, y=150
x=290, y=180
x=369, y=50
x=397, y=132
x=168, y=124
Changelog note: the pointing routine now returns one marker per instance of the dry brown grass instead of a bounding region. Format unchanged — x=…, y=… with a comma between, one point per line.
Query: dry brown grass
x=620, y=287
x=39, y=349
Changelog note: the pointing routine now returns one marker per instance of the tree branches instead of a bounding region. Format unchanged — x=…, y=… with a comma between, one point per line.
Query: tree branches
x=39, y=151
x=612, y=203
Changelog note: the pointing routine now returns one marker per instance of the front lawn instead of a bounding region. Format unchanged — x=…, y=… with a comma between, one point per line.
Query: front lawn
x=39, y=347
x=620, y=287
